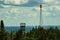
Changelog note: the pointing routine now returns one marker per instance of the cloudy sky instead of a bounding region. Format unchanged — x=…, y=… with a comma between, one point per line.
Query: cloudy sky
x=14, y=12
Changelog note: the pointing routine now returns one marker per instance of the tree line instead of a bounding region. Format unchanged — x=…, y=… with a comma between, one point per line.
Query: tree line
x=35, y=34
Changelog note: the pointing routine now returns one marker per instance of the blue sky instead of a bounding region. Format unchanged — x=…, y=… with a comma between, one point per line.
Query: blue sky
x=14, y=12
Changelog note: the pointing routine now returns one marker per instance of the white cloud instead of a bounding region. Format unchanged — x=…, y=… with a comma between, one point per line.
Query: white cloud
x=46, y=13
x=37, y=8
x=7, y=17
x=21, y=13
x=14, y=10
x=51, y=1
x=32, y=15
x=54, y=14
x=1, y=0
x=1, y=13
x=21, y=2
x=5, y=6
x=54, y=7
x=57, y=2
x=57, y=7
x=48, y=1
x=18, y=2
x=51, y=10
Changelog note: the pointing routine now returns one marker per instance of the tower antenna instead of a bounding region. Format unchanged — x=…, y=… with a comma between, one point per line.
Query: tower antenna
x=41, y=15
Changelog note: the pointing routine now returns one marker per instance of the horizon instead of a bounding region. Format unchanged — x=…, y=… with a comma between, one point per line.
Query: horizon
x=38, y=25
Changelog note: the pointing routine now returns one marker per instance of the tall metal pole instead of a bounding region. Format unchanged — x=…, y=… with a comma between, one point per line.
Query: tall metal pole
x=41, y=16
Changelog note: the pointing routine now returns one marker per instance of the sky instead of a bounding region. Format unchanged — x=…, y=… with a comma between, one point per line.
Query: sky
x=14, y=12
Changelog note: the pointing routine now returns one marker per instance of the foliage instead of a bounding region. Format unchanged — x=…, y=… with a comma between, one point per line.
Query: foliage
x=35, y=34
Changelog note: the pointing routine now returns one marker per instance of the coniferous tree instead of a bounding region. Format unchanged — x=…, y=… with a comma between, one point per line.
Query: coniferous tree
x=2, y=31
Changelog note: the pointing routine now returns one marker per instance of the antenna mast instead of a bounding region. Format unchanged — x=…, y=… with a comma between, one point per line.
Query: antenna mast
x=41, y=15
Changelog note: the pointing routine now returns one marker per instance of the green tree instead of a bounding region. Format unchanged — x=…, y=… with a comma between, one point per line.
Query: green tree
x=2, y=31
